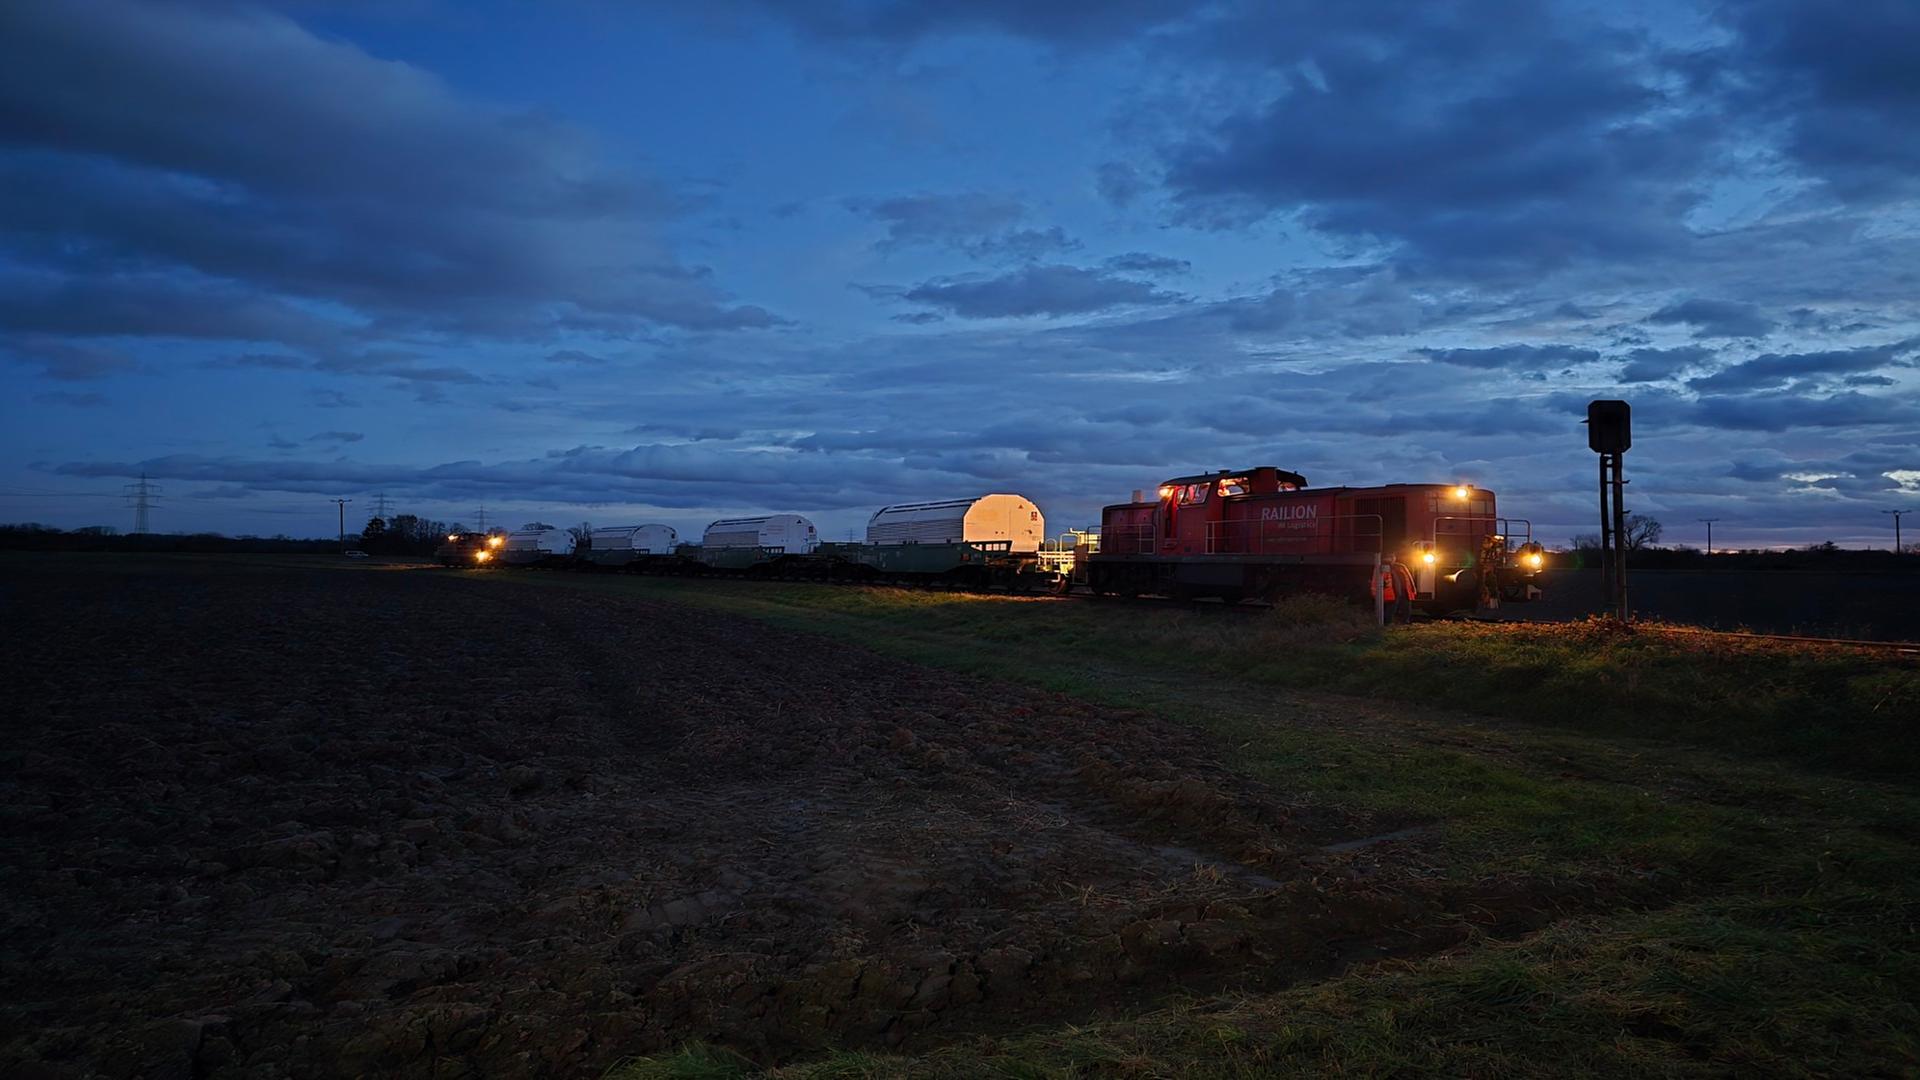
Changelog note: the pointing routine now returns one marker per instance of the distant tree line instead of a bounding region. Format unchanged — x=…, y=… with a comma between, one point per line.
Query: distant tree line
x=1644, y=551
x=405, y=534
x=32, y=536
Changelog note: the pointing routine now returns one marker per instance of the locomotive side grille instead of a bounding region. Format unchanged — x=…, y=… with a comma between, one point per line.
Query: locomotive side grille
x=1393, y=519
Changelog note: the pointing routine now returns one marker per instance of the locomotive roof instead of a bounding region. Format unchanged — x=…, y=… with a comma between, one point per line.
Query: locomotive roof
x=1286, y=475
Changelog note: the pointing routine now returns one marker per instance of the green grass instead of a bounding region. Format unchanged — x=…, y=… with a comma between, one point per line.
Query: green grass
x=1742, y=814
x=1785, y=988
x=1821, y=707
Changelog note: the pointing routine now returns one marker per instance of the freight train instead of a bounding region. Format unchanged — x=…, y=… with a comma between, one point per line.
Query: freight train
x=1251, y=534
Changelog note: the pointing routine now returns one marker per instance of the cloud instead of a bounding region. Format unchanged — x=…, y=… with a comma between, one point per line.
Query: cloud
x=333, y=399
x=951, y=219
x=1715, y=318
x=70, y=398
x=337, y=437
x=1063, y=22
x=574, y=356
x=1777, y=369
x=1140, y=262
x=1459, y=135
x=978, y=225
x=270, y=361
x=1024, y=245
x=1513, y=357
x=1653, y=365
x=218, y=175
x=1841, y=79
x=1120, y=183
x=1784, y=411
x=68, y=363
x=1048, y=290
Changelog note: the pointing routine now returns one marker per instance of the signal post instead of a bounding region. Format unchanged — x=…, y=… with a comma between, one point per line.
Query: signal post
x=1609, y=434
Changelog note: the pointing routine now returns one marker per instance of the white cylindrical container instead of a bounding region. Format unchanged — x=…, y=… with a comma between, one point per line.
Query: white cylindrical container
x=984, y=519
x=789, y=533
x=639, y=539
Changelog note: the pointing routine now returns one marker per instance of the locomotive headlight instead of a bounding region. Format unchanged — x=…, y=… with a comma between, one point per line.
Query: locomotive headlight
x=494, y=541
x=451, y=537
x=1534, y=560
x=482, y=556
x=1427, y=557
x=1462, y=491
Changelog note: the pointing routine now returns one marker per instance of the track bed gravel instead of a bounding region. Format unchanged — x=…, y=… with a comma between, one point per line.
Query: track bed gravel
x=270, y=821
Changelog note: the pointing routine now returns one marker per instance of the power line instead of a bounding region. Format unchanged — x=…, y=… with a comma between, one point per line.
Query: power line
x=141, y=495
x=380, y=506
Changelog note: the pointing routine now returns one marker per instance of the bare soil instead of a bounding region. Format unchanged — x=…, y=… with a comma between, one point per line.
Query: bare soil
x=286, y=821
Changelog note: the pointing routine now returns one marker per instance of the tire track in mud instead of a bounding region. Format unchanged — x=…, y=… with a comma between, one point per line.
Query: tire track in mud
x=309, y=823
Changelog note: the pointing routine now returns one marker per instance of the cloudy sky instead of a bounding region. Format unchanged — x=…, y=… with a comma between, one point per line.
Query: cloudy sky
x=625, y=262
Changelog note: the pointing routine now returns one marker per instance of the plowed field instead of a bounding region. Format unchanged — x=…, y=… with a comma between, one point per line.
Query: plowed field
x=265, y=821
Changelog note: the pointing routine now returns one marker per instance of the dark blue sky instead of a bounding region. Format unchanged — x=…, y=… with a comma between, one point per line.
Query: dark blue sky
x=606, y=261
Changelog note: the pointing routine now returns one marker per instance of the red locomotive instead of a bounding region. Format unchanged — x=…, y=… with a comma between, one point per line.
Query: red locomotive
x=1259, y=533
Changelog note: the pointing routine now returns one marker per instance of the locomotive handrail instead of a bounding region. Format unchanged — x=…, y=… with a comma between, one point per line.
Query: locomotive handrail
x=1272, y=532
x=1506, y=530
x=1129, y=539
x=1433, y=536
x=1073, y=538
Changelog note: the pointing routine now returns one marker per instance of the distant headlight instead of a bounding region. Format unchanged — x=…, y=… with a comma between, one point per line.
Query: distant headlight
x=495, y=541
x=451, y=537
x=482, y=556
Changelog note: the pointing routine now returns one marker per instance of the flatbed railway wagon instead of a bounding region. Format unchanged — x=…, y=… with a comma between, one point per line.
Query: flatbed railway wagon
x=536, y=544
x=1261, y=533
x=775, y=545
x=629, y=547
x=985, y=542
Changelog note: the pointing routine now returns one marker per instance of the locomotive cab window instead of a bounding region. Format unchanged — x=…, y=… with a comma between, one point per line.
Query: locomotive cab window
x=1235, y=486
x=1194, y=493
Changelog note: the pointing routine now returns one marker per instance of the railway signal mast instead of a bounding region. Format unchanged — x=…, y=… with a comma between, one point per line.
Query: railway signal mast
x=1609, y=434
x=1897, y=549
